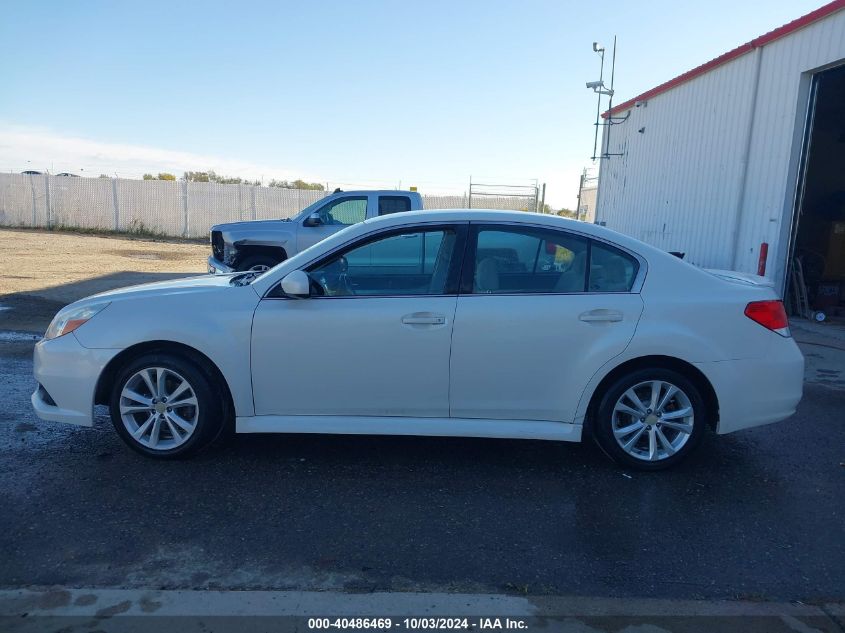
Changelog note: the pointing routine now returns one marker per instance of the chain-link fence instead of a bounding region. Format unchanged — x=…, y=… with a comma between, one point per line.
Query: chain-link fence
x=174, y=208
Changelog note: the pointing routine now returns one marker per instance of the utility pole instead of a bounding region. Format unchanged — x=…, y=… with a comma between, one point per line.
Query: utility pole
x=580, y=188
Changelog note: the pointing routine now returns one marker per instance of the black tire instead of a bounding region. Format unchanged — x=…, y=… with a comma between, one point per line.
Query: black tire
x=211, y=411
x=603, y=422
x=252, y=261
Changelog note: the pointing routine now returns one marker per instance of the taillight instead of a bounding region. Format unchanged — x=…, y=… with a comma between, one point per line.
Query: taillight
x=769, y=314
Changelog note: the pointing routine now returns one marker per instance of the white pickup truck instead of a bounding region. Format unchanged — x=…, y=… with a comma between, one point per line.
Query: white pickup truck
x=261, y=244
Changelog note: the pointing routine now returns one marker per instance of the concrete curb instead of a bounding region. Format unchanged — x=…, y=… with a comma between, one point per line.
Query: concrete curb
x=58, y=601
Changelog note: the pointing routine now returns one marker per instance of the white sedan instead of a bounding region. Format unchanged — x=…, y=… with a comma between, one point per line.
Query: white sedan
x=448, y=323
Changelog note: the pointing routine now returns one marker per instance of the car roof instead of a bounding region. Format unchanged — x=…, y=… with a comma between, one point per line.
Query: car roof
x=385, y=192
x=515, y=217
x=437, y=216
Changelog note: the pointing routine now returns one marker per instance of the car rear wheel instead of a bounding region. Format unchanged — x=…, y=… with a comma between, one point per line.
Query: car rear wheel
x=166, y=406
x=650, y=419
x=258, y=263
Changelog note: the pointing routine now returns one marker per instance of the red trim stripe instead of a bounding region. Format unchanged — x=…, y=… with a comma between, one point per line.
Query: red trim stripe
x=739, y=51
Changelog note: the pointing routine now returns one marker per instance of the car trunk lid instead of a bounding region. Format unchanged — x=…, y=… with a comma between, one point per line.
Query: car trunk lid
x=741, y=278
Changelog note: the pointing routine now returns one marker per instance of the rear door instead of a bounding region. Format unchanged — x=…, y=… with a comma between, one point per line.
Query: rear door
x=539, y=312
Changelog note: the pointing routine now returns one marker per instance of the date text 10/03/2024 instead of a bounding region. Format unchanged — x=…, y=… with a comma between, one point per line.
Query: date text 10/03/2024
x=424, y=623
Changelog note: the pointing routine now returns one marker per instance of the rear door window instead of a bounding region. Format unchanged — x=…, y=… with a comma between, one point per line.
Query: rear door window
x=393, y=204
x=511, y=260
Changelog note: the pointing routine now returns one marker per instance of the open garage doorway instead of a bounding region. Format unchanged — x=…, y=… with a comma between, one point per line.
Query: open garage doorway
x=819, y=230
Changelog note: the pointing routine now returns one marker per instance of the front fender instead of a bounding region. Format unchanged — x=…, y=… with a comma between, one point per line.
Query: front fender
x=220, y=328
x=279, y=240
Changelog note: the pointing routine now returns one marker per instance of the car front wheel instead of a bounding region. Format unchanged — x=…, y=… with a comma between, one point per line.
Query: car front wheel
x=166, y=406
x=650, y=419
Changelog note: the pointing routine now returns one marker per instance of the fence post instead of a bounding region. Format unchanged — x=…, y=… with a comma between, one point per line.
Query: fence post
x=47, y=200
x=185, y=208
x=116, y=203
x=34, y=211
x=543, y=200
x=252, y=202
x=469, y=197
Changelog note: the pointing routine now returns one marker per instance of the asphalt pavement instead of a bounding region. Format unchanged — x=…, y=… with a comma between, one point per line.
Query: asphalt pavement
x=756, y=515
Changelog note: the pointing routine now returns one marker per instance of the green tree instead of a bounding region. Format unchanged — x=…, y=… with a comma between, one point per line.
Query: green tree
x=196, y=176
x=166, y=176
x=297, y=184
x=212, y=176
x=311, y=186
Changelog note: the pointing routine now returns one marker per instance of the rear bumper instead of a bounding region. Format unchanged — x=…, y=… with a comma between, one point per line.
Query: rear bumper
x=216, y=267
x=753, y=392
x=67, y=374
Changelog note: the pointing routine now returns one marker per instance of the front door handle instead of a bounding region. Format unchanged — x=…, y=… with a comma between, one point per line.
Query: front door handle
x=423, y=318
x=601, y=316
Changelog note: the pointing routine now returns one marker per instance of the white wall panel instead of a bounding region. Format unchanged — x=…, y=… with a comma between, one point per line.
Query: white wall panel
x=679, y=183
x=786, y=65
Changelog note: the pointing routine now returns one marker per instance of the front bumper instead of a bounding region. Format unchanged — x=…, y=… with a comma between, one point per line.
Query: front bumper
x=216, y=267
x=67, y=374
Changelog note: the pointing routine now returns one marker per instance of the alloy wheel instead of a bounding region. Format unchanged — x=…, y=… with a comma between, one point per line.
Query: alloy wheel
x=159, y=408
x=652, y=420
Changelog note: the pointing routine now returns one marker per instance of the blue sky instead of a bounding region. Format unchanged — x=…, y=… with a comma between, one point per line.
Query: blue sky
x=359, y=92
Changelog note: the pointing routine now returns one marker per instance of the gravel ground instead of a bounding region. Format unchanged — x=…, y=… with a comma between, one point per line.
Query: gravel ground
x=752, y=515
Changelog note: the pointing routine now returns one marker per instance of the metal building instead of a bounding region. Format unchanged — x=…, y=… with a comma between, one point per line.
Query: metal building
x=740, y=163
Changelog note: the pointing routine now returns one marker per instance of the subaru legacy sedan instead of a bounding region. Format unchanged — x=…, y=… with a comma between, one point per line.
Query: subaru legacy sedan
x=448, y=323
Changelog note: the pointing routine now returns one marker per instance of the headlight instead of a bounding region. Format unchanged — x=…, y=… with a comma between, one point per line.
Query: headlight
x=67, y=321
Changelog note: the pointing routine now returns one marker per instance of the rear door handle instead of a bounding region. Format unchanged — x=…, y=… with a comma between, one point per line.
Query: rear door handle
x=601, y=316
x=423, y=318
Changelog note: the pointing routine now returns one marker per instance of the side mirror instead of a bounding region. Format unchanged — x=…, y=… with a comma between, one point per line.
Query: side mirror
x=297, y=284
x=313, y=220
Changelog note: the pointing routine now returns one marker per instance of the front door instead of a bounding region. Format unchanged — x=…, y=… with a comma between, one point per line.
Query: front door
x=540, y=311
x=334, y=216
x=373, y=340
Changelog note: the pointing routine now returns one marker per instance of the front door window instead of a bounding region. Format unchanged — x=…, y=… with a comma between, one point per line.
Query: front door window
x=400, y=264
x=344, y=211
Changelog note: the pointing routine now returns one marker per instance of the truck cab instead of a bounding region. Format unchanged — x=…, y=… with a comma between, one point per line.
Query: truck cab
x=261, y=244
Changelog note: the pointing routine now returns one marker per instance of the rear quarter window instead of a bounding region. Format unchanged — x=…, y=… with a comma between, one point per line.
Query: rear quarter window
x=611, y=270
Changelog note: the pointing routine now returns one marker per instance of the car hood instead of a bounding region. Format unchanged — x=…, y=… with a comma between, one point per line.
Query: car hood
x=199, y=283
x=250, y=225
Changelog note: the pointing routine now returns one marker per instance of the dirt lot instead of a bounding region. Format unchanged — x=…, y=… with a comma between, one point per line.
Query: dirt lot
x=40, y=271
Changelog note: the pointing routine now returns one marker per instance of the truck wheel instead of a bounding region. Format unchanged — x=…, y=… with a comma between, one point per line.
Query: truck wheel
x=258, y=263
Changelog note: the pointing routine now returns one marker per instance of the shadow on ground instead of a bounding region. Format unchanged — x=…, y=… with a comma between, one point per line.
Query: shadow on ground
x=32, y=312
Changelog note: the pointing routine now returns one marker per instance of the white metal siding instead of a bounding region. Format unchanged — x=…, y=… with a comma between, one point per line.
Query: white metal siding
x=770, y=186
x=678, y=184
